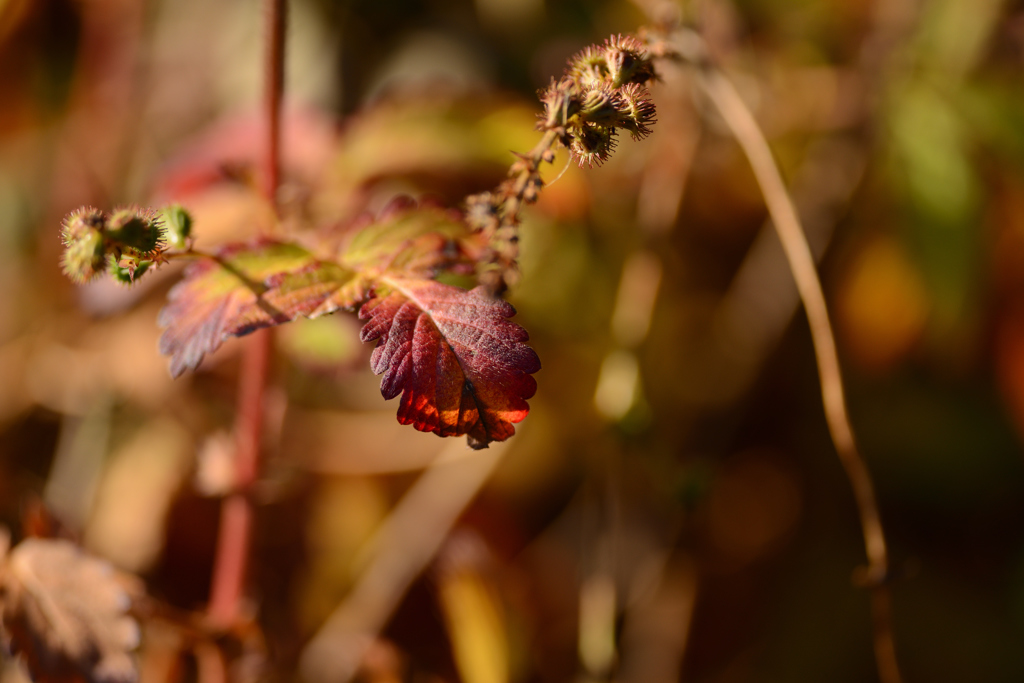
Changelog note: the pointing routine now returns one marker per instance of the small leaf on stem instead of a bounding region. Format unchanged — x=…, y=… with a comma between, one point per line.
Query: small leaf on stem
x=410, y=239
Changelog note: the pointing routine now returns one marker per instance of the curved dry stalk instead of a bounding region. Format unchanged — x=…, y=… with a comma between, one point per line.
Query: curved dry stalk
x=745, y=129
x=404, y=544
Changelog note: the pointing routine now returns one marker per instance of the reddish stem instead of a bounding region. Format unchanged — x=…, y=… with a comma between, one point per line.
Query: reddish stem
x=276, y=26
x=236, y=519
x=236, y=524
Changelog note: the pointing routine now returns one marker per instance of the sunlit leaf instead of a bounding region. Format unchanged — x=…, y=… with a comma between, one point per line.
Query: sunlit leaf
x=461, y=366
x=942, y=192
x=409, y=239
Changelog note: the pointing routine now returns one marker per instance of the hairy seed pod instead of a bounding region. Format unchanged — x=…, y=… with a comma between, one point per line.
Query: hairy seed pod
x=627, y=61
x=136, y=231
x=592, y=145
x=561, y=103
x=636, y=110
x=84, y=250
x=589, y=67
x=600, y=106
x=81, y=221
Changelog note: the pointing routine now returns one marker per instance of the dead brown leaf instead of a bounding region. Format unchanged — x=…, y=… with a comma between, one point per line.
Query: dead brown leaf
x=65, y=613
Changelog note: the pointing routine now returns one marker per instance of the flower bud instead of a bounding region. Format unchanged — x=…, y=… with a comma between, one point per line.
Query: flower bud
x=482, y=211
x=128, y=269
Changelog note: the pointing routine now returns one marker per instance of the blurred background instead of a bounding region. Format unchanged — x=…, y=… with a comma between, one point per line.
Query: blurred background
x=672, y=509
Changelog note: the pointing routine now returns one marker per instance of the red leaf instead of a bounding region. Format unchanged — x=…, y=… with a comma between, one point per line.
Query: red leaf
x=461, y=366
x=214, y=302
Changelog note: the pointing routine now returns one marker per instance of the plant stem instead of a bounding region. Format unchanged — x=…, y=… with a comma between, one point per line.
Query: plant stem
x=276, y=11
x=530, y=166
x=235, y=535
x=501, y=228
x=237, y=512
x=801, y=262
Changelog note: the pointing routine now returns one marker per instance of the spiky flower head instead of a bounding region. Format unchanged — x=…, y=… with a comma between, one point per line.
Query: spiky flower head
x=603, y=90
x=627, y=61
x=589, y=67
x=592, y=145
x=84, y=251
x=636, y=110
x=561, y=102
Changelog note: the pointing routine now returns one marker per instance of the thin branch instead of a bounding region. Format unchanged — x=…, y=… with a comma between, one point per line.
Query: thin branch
x=496, y=214
x=231, y=563
x=525, y=173
x=257, y=288
x=748, y=134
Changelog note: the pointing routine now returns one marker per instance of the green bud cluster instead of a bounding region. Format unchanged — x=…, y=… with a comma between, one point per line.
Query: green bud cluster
x=126, y=242
x=602, y=91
